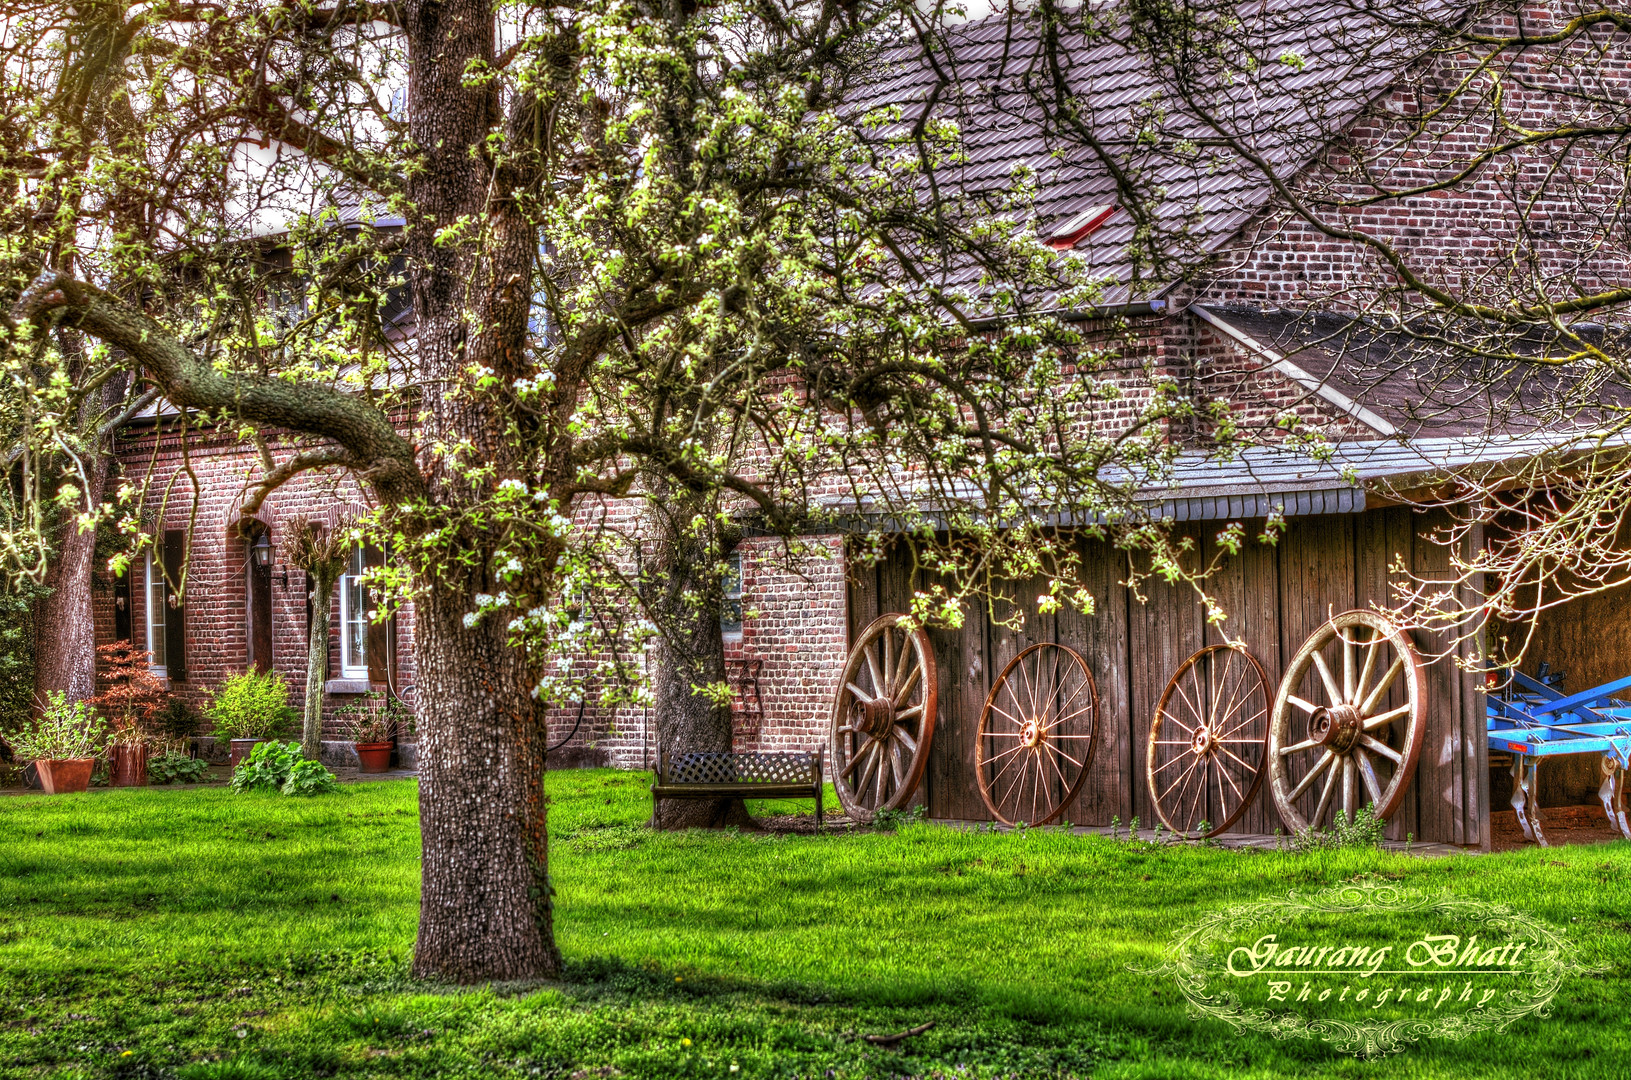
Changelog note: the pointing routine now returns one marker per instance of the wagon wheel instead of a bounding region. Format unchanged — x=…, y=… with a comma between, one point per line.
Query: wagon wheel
x=1208, y=741
x=1037, y=735
x=883, y=718
x=1345, y=736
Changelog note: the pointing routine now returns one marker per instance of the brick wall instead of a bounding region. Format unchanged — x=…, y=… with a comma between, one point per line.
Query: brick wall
x=1468, y=237
x=217, y=629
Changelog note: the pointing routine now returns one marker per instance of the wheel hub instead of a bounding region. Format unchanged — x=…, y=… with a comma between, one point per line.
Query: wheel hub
x=1202, y=742
x=1030, y=733
x=1337, y=728
x=878, y=716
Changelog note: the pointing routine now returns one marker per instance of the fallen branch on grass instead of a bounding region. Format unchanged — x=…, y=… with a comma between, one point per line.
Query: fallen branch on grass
x=891, y=1040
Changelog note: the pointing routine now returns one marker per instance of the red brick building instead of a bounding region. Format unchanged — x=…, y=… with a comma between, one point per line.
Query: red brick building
x=1228, y=335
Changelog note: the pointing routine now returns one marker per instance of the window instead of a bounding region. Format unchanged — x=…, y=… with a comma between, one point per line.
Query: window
x=157, y=597
x=354, y=618
x=730, y=612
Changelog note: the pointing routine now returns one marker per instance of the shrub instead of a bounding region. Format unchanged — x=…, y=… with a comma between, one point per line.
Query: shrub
x=278, y=766
x=251, y=706
x=1365, y=831
x=171, y=767
x=65, y=730
x=133, y=698
x=178, y=720
x=374, y=718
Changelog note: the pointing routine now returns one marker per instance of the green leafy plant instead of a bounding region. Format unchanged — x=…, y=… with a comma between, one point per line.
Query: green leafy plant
x=251, y=706
x=177, y=720
x=279, y=766
x=374, y=718
x=891, y=820
x=65, y=730
x=1366, y=830
x=172, y=768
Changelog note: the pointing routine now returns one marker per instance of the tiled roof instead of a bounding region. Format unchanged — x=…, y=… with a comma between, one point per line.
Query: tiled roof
x=991, y=61
x=1423, y=385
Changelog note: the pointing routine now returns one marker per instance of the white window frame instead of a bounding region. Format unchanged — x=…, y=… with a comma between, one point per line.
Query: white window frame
x=732, y=591
x=154, y=584
x=352, y=667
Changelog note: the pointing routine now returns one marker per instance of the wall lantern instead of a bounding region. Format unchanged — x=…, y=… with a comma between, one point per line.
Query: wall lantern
x=263, y=550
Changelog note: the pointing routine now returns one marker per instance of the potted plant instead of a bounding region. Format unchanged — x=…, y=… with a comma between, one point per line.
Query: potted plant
x=371, y=723
x=249, y=709
x=62, y=742
x=131, y=702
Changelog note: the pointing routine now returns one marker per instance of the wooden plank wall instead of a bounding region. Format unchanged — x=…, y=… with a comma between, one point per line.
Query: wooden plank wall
x=1274, y=598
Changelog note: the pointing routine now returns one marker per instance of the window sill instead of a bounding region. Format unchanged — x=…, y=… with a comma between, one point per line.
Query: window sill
x=346, y=686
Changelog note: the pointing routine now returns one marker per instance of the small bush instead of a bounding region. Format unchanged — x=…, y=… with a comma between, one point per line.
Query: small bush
x=172, y=768
x=251, y=706
x=375, y=718
x=1366, y=830
x=178, y=720
x=65, y=730
x=277, y=766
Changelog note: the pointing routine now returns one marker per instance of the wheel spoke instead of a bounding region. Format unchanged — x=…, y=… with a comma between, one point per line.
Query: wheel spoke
x=1244, y=764
x=999, y=709
x=1240, y=795
x=1370, y=666
x=1302, y=785
x=860, y=755
x=1368, y=773
x=1382, y=687
x=1177, y=721
x=1295, y=748
x=1325, y=797
x=1305, y=706
x=908, y=685
x=888, y=688
x=1259, y=714
x=861, y=695
x=1372, y=743
x=877, y=676
x=997, y=757
x=1181, y=777
x=901, y=734
x=1200, y=793
x=895, y=763
x=1347, y=669
x=1350, y=788
x=1174, y=761
x=1325, y=677
x=1067, y=757
x=1384, y=719
x=909, y=714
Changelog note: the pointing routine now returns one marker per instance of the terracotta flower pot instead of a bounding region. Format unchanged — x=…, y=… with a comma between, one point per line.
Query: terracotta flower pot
x=373, y=756
x=241, y=749
x=127, y=765
x=64, y=776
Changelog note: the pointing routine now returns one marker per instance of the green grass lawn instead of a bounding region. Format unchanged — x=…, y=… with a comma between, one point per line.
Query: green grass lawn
x=205, y=934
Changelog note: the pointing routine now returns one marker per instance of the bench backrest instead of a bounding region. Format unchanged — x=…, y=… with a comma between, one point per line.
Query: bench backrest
x=791, y=767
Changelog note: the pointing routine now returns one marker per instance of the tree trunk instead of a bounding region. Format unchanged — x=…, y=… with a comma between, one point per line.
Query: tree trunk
x=690, y=654
x=311, y=729
x=485, y=904
x=65, y=620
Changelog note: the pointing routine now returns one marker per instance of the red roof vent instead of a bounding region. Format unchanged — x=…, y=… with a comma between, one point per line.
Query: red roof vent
x=1069, y=234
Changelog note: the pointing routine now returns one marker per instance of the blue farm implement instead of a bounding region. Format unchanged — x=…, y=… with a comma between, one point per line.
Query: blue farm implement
x=1531, y=719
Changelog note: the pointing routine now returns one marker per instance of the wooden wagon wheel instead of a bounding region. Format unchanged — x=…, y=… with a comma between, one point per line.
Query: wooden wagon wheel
x=1037, y=735
x=1208, y=741
x=1342, y=735
x=883, y=718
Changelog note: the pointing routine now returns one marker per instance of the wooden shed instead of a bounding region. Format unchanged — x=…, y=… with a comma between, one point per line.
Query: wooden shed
x=1343, y=538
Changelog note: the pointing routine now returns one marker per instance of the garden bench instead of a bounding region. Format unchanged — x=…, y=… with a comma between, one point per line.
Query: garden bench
x=714, y=775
